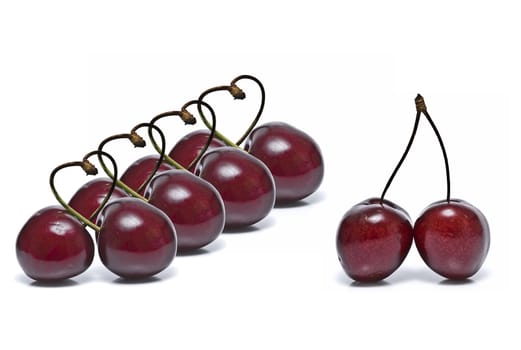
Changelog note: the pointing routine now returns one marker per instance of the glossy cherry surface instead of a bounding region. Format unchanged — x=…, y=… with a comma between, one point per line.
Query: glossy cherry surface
x=91, y=195
x=139, y=171
x=293, y=157
x=373, y=240
x=194, y=206
x=136, y=240
x=53, y=246
x=452, y=238
x=244, y=182
x=187, y=149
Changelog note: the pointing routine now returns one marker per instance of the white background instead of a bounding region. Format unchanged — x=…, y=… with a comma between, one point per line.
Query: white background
x=347, y=74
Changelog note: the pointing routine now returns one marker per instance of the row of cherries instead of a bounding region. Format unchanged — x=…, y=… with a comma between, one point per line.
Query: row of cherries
x=166, y=203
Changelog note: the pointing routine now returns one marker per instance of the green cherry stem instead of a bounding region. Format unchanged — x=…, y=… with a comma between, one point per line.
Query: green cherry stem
x=404, y=155
x=186, y=116
x=237, y=94
x=89, y=169
x=442, y=146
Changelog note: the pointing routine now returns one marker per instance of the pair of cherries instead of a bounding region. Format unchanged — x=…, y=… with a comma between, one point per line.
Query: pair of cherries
x=375, y=236
x=135, y=240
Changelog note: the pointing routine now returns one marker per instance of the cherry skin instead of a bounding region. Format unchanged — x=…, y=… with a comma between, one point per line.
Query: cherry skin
x=187, y=149
x=91, y=195
x=194, y=206
x=139, y=171
x=244, y=182
x=292, y=156
x=373, y=240
x=136, y=240
x=53, y=246
x=452, y=238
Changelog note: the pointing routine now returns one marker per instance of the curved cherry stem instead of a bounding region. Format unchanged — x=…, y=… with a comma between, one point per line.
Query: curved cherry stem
x=421, y=108
x=89, y=169
x=404, y=155
x=229, y=88
x=137, y=141
x=161, y=151
x=237, y=94
x=442, y=146
x=213, y=130
x=188, y=118
x=261, y=106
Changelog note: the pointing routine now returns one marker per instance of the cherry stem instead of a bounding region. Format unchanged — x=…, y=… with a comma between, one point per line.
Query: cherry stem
x=404, y=155
x=168, y=159
x=421, y=108
x=237, y=94
x=89, y=169
x=137, y=141
x=442, y=146
x=220, y=136
x=261, y=106
x=188, y=118
x=161, y=152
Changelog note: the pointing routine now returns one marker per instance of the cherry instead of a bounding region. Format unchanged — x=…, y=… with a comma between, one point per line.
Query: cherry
x=451, y=235
x=373, y=239
x=453, y=238
x=140, y=170
x=244, y=182
x=375, y=236
x=135, y=240
x=194, y=206
x=293, y=157
x=188, y=147
x=89, y=198
x=53, y=246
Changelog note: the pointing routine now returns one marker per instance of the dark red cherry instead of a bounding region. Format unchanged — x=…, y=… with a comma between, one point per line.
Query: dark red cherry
x=244, y=182
x=139, y=171
x=452, y=238
x=293, y=157
x=91, y=195
x=53, y=246
x=136, y=240
x=194, y=206
x=373, y=240
x=187, y=149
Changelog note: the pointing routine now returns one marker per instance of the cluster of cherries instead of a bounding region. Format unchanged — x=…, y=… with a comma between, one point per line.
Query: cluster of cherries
x=375, y=236
x=167, y=203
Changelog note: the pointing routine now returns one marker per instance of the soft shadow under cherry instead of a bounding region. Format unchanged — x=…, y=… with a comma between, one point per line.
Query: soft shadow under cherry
x=343, y=279
x=448, y=282
x=311, y=200
x=56, y=284
x=211, y=248
x=261, y=225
